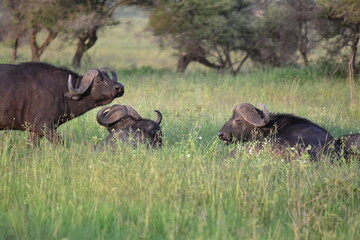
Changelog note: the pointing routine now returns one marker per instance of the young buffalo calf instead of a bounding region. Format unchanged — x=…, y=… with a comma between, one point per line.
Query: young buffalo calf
x=126, y=125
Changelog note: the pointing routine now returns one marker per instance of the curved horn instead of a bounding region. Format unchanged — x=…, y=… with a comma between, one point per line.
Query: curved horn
x=252, y=116
x=132, y=112
x=100, y=115
x=266, y=114
x=113, y=73
x=159, y=117
x=70, y=87
x=114, y=113
x=85, y=82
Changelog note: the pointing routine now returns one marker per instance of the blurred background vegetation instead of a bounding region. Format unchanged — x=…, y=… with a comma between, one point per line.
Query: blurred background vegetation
x=225, y=35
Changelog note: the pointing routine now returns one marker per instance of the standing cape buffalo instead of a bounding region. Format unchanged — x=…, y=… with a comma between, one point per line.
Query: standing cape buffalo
x=283, y=131
x=126, y=125
x=39, y=97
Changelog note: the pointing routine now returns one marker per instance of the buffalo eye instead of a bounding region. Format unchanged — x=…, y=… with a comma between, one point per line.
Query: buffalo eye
x=98, y=80
x=239, y=121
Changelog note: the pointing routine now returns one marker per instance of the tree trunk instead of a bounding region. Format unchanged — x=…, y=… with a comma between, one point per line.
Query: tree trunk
x=237, y=70
x=36, y=50
x=185, y=60
x=15, y=48
x=352, y=63
x=85, y=42
x=303, y=41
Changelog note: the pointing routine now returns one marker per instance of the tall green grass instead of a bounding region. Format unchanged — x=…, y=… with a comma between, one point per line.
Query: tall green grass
x=191, y=188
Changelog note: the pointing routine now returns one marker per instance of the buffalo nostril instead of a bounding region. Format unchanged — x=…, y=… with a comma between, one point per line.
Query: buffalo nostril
x=220, y=134
x=119, y=88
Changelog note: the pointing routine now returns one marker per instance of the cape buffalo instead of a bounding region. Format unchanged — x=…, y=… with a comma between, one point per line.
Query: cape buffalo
x=126, y=125
x=39, y=97
x=282, y=131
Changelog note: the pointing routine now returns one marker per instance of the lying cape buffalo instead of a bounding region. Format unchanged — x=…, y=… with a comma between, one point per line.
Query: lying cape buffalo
x=126, y=125
x=39, y=97
x=282, y=131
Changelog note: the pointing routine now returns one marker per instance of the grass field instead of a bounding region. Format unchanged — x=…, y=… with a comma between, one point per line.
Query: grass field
x=191, y=188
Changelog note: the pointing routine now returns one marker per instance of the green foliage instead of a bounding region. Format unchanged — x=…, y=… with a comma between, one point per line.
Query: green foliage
x=212, y=29
x=347, y=11
x=191, y=188
x=211, y=21
x=277, y=36
x=343, y=33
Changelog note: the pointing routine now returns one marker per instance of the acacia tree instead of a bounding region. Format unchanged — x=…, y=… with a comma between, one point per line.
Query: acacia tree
x=32, y=17
x=303, y=16
x=89, y=17
x=345, y=29
x=44, y=15
x=13, y=22
x=276, y=38
x=85, y=22
x=73, y=19
x=283, y=29
x=215, y=33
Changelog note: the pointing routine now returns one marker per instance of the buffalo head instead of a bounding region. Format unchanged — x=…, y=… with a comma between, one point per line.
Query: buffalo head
x=124, y=122
x=350, y=144
x=97, y=85
x=244, y=124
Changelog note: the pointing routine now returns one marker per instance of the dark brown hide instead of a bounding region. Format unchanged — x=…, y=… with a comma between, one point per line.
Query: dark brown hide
x=39, y=97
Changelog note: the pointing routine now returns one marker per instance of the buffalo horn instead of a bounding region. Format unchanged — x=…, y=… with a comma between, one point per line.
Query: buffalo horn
x=100, y=115
x=132, y=112
x=266, y=114
x=113, y=73
x=109, y=115
x=159, y=117
x=70, y=87
x=85, y=83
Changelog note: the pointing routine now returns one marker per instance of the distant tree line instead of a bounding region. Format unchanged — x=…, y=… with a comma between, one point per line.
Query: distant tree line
x=72, y=20
x=220, y=34
x=223, y=34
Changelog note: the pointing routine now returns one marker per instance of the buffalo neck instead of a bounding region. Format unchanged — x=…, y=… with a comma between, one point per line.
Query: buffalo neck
x=74, y=108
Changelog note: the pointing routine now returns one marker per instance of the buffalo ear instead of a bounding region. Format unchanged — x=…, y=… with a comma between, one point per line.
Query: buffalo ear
x=252, y=115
